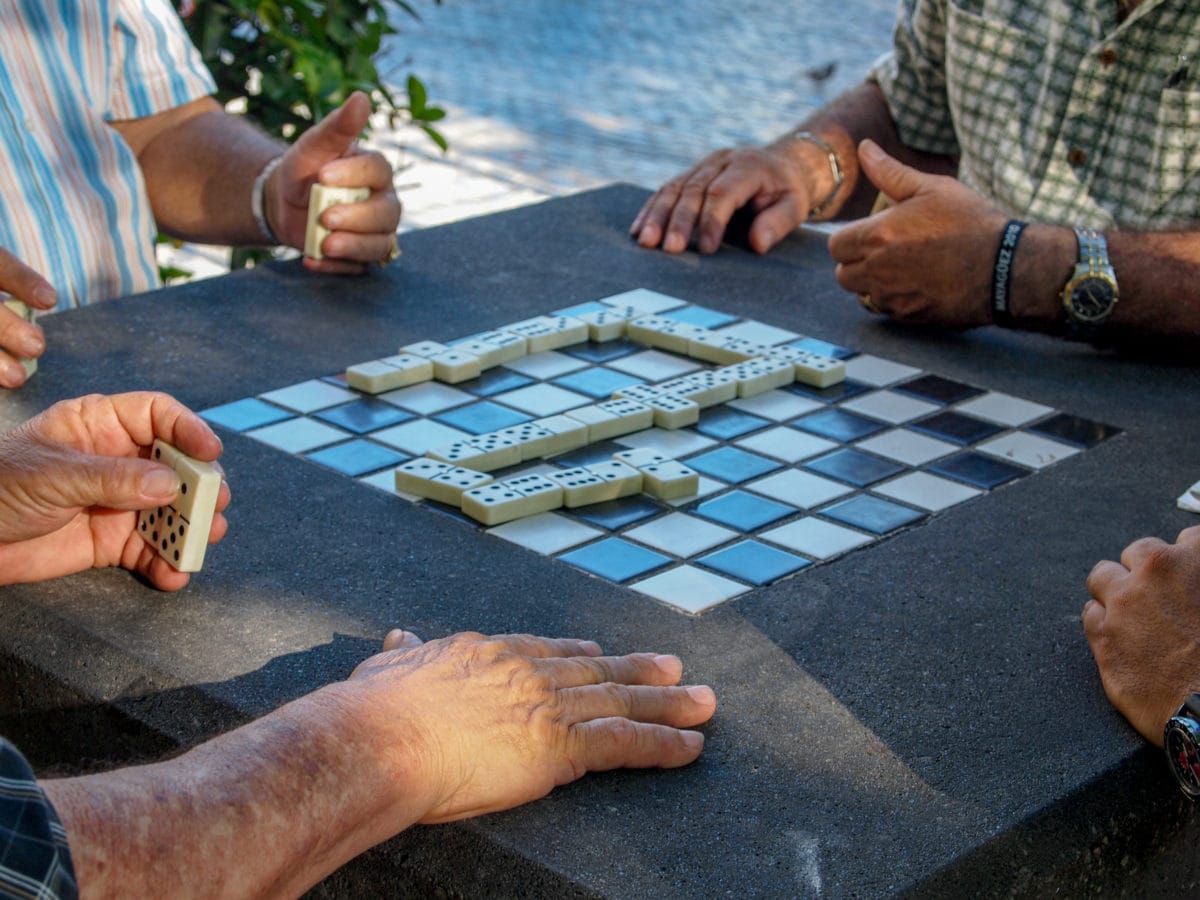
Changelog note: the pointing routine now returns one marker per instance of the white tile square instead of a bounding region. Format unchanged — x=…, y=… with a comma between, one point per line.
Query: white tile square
x=427, y=398
x=542, y=400
x=654, y=365
x=758, y=332
x=547, y=533
x=776, y=405
x=786, y=444
x=308, y=396
x=674, y=444
x=816, y=537
x=681, y=535
x=419, y=435
x=298, y=435
x=907, y=446
x=926, y=491
x=879, y=372
x=1027, y=449
x=800, y=489
x=888, y=406
x=645, y=300
x=548, y=364
x=703, y=489
x=385, y=481
x=1004, y=409
x=690, y=589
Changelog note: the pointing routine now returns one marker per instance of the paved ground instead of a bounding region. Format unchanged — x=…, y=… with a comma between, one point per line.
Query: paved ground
x=546, y=97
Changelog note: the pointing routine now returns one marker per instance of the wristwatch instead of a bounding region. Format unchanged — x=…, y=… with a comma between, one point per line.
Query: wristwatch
x=1091, y=293
x=1181, y=740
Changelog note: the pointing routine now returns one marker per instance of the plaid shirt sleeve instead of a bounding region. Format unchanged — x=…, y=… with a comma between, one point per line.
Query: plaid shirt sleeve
x=34, y=860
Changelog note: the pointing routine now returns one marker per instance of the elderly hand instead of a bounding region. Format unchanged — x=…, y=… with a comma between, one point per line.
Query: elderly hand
x=361, y=233
x=73, y=479
x=19, y=338
x=929, y=257
x=1143, y=625
x=494, y=722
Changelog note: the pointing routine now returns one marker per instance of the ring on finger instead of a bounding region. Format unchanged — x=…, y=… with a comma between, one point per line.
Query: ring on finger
x=393, y=252
x=869, y=304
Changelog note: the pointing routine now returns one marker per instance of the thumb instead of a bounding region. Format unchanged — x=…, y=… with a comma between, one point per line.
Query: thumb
x=898, y=181
x=118, y=483
x=330, y=138
x=401, y=640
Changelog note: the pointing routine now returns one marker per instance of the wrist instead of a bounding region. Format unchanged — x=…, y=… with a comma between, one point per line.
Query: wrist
x=823, y=169
x=1039, y=271
x=262, y=201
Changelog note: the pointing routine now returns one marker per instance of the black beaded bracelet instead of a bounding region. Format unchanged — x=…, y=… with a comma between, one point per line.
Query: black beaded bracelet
x=1002, y=272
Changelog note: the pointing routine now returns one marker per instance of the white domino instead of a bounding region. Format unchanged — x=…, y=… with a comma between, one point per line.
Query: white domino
x=514, y=498
x=722, y=349
x=534, y=440
x=484, y=453
x=387, y=374
x=550, y=332
x=624, y=479
x=569, y=434
x=639, y=457
x=607, y=324
x=179, y=532
x=456, y=364
x=761, y=374
x=659, y=331
x=438, y=480
x=425, y=349
x=320, y=198
x=613, y=418
x=671, y=412
x=494, y=348
x=811, y=368
x=669, y=480
x=581, y=487
x=22, y=310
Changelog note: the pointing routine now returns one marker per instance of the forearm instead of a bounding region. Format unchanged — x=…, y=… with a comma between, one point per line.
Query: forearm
x=266, y=810
x=857, y=114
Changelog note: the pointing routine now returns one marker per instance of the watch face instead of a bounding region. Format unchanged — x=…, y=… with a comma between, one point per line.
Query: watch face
x=1183, y=753
x=1092, y=299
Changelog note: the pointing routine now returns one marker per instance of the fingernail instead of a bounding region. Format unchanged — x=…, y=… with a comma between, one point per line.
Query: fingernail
x=702, y=694
x=870, y=150
x=693, y=740
x=669, y=664
x=160, y=482
x=333, y=221
x=591, y=648
x=767, y=237
x=44, y=296
x=32, y=345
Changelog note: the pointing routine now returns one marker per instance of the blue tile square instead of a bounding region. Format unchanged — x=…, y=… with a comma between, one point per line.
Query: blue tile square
x=244, y=414
x=482, y=417
x=603, y=351
x=357, y=457
x=597, y=381
x=362, y=416
x=1073, y=430
x=743, y=511
x=588, y=455
x=872, y=514
x=616, y=514
x=495, y=381
x=835, y=393
x=725, y=423
x=839, y=425
x=937, y=389
x=615, y=559
x=700, y=316
x=854, y=467
x=731, y=465
x=754, y=562
x=954, y=426
x=815, y=345
x=978, y=470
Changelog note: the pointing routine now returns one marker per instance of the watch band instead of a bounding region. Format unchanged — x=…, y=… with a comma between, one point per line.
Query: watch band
x=1093, y=274
x=835, y=169
x=1002, y=272
x=1181, y=742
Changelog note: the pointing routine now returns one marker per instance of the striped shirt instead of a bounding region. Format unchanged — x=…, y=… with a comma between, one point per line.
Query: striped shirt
x=73, y=205
x=1061, y=111
x=35, y=862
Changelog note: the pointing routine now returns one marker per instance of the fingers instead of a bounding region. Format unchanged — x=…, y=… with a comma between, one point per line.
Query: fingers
x=605, y=744
x=545, y=648
x=22, y=283
x=679, y=707
x=334, y=135
x=893, y=178
x=635, y=668
x=700, y=195
x=775, y=222
x=398, y=639
x=1140, y=552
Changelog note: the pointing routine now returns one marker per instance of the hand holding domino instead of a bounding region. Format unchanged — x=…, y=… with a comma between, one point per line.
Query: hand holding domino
x=178, y=532
x=22, y=290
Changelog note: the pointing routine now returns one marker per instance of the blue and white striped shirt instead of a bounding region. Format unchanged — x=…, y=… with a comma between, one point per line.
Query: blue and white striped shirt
x=73, y=205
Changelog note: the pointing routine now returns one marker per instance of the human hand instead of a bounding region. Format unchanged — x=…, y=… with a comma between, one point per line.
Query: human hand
x=361, y=233
x=706, y=196
x=494, y=722
x=928, y=257
x=19, y=338
x=1143, y=625
x=73, y=478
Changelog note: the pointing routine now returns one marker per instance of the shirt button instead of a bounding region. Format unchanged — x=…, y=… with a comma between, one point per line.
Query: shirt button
x=1077, y=157
x=1108, y=56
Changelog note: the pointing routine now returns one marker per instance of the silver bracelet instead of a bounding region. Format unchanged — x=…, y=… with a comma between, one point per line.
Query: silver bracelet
x=835, y=169
x=256, y=201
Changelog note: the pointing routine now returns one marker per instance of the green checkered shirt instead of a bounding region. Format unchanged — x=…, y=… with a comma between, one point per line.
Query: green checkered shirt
x=1059, y=111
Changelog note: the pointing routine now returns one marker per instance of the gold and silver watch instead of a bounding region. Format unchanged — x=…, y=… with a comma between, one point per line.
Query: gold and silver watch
x=1091, y=293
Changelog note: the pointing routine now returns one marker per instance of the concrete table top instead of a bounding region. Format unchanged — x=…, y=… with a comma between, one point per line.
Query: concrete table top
x=923, y=716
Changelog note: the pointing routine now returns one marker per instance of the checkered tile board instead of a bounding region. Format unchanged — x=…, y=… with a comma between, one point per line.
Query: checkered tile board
x=789, y=478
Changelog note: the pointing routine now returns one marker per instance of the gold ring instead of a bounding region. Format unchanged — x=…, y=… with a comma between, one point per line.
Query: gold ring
x=393, y=254
x=869, y=305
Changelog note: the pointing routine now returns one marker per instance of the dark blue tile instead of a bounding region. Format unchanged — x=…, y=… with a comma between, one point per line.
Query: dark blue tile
x=743, y=511
x=601, y=451
x=616, y=514
x=956, y=427
x=835, y=393
x=615, y=559
x=839, y=425
x=731, y=465
x=362, y=416
x=357, y=457
x=854, y=467
x=242, y=415
x=482, y=417
x=754, y=562
x=873, y=514
x=978, y=470
x=937, y=389
x=603, y=351
x=700, y=316
x=597, y=381
x=725, y=423
x=1073, y=430
x=815, y=345
x=495, y=381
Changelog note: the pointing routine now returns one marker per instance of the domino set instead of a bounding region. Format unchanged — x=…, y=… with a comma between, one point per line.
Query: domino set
x=668, y=447
x=179, y=533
